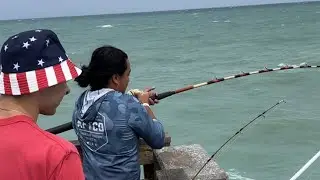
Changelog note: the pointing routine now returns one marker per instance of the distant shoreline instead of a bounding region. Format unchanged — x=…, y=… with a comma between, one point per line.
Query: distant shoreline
x=168, y=11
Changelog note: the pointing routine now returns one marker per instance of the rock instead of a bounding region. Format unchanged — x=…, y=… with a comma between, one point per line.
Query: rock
x=190, y=158
x=172, y=174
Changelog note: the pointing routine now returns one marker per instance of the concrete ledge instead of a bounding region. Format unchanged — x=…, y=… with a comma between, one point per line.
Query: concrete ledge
x=190, y=158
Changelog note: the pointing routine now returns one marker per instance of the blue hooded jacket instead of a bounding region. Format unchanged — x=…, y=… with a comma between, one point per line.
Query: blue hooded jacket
x=108, y=125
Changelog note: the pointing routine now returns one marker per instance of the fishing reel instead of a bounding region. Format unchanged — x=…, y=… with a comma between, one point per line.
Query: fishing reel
x=134, y=92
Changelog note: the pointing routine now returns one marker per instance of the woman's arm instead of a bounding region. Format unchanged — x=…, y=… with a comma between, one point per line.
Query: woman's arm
x=144, y=123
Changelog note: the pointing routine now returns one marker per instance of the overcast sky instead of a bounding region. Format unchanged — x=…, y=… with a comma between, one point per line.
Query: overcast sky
x=22, y=9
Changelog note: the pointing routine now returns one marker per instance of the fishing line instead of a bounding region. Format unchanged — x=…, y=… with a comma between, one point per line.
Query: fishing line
x=68, y=126
x=260, y=115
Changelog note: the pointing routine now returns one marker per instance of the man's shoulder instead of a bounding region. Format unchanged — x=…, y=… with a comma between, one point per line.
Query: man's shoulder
x=51, y=142
x=60, y=144
x=37, y=143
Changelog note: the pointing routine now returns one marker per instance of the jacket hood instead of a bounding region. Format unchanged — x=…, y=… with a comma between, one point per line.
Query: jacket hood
x=87, y=106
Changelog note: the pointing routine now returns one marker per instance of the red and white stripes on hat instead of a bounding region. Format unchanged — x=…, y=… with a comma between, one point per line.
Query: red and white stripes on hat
x=32, y=81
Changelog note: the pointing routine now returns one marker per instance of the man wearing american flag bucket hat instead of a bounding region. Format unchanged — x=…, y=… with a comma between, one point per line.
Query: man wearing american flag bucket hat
x=34, y=73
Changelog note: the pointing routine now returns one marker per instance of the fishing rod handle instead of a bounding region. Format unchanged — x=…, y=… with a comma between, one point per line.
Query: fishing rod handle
x=163, y=95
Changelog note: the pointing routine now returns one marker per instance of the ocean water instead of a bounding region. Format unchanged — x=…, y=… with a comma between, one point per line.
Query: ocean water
x=170, y=50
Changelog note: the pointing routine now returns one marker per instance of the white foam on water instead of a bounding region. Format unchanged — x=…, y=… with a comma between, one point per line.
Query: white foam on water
x=234, y=174
x=147, y=28
x=282, y=64
x=301, y=64
x=105, y=26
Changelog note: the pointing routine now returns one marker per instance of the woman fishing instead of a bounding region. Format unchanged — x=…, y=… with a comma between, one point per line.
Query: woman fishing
x=109, y=122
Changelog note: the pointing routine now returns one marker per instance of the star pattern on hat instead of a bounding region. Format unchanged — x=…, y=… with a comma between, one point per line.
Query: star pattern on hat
x=32, y=39
x=26, y=45
x=40, y=62
x=60, y=59
x=16, y=66
x=5, y=47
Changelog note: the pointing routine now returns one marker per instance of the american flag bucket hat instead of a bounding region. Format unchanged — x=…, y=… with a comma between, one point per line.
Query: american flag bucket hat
x=33, y=60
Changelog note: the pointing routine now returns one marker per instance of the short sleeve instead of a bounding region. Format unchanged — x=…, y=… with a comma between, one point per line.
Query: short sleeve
x=70, y=168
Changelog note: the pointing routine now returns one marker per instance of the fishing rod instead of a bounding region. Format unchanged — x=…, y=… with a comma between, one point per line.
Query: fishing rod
x=68, y=126
x=260, y=115
x=306, y=166
x=243, y=74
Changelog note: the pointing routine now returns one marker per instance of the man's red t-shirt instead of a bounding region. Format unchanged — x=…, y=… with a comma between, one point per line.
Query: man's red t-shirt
x=30, y=153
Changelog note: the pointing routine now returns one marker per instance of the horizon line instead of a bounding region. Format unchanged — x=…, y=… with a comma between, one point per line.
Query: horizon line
x=168, y=10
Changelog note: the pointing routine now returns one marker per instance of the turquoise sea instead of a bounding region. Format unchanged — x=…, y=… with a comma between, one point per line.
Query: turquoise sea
x=170, y=50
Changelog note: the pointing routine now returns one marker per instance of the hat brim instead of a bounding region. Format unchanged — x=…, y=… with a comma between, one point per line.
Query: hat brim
x=33, y=81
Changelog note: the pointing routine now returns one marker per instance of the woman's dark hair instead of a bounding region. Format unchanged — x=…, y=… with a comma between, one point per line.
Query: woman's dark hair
x=105, y=62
